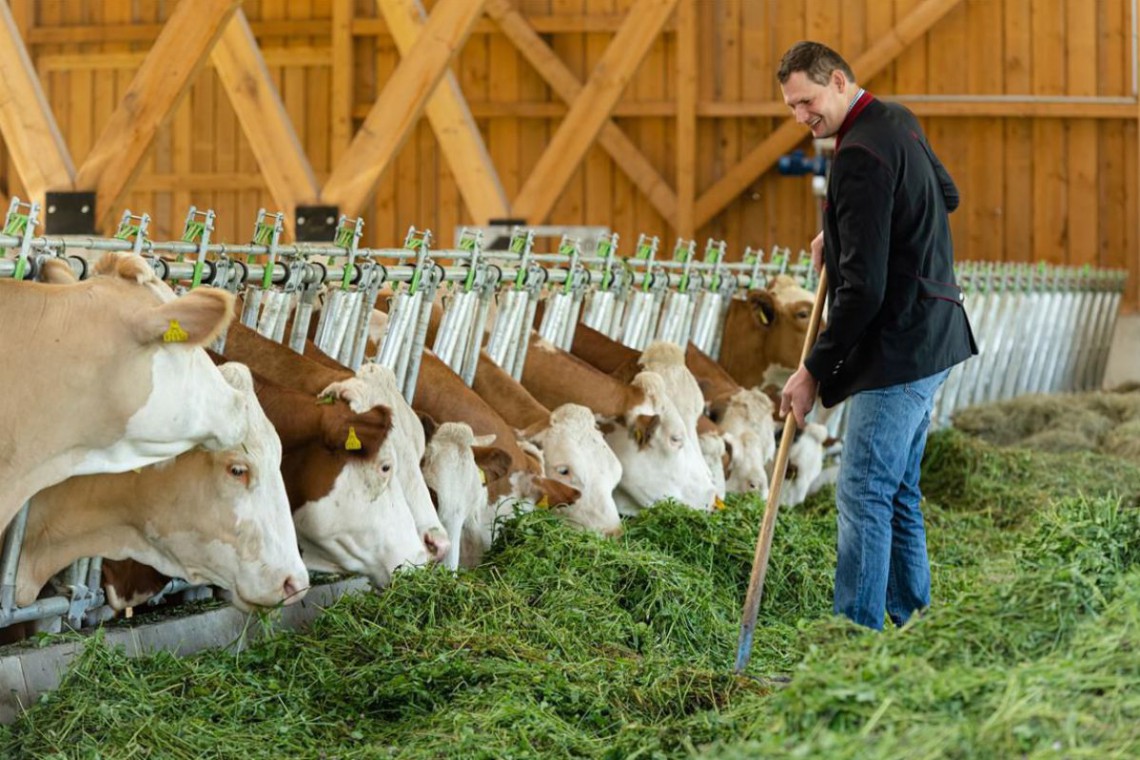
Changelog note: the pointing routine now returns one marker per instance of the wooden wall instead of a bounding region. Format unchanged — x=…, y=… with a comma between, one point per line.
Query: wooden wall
x=1047, y=169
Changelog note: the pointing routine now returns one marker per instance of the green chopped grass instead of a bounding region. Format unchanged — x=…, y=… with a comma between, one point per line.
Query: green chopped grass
x=568, y=645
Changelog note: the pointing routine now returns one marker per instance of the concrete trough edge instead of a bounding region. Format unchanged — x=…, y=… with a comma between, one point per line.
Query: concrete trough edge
x=25, y=674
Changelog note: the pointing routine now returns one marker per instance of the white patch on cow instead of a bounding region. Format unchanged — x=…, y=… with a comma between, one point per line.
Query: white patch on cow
x=242, y=537
x=574, y=452
x=806, y=455
x=362, y=525
x=667, y=466
x=375, y=385
x=450, y=470
x=788, y=290
x=749, y=430
x=188, y=394
x=713, y=450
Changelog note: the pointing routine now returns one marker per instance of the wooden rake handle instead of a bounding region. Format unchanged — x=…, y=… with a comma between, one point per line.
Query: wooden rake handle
x=768, y=525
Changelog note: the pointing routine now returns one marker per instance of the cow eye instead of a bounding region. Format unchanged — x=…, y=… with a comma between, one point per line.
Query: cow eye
x=676, y=440
x=563, y=470
x=386, y=468
x=239, y=470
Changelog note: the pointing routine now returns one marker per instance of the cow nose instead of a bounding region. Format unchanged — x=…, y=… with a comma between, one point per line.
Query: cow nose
x=437, y=544
x=294, y=589
x=615, y=532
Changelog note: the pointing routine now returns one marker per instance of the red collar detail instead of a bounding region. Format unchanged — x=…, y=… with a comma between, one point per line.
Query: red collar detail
x=863, y=101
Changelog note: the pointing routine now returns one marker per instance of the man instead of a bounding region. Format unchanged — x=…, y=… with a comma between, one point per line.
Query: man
x=895, y=326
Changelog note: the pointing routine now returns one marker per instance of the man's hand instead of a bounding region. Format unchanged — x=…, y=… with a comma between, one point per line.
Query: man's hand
x=817, y=252
x=798, y=395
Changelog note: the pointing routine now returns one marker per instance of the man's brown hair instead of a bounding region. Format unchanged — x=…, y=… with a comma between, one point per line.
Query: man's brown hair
x=814, y=59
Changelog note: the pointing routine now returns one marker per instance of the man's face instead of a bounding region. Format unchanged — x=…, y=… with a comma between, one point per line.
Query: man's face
x=822, y=107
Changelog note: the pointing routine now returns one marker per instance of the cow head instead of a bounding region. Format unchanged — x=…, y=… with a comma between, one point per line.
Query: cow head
x=745, y=419
x=765, y=327
x=455, y=478
x=575, y=453
x=660, y=458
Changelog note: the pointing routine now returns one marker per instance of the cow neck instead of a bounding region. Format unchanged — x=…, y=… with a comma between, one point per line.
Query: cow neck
x=95, y=516
x=714, y=381
x=280, y=364
x=507, y=396
x=602, y=352
x=555, y=377
x=442, y=394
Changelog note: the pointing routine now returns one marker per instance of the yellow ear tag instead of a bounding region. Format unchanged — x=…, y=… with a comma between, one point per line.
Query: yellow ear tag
x=638, y=435
x=482, y=476
x=543, y=503
x=718, y=504
x=175, y=333
x=763, y=317
x=352, y=443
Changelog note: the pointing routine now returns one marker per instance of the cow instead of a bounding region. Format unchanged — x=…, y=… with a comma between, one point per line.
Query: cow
x=107, y=375
x=219, y=517
x=765, y=327
x=805, y=463
x=741, y=417
x=659, y=459
x=371, y=386
x=457, y=484
x=572, y=448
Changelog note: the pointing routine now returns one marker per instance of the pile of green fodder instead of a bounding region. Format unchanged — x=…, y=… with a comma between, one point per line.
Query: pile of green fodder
x=1106, y=423
x=568, y=645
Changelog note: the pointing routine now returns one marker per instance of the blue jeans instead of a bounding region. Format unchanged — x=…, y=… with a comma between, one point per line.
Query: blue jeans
x=882, y=565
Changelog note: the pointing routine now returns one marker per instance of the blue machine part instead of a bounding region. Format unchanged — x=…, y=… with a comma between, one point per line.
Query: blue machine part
x=797, y=164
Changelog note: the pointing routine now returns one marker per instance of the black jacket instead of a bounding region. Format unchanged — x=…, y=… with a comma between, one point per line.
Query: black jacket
x=895, y=312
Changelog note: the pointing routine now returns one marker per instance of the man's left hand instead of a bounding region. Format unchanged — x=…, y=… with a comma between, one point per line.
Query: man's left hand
x=798, y=396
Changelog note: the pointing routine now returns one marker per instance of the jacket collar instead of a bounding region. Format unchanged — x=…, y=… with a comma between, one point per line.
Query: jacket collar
x=856, y=108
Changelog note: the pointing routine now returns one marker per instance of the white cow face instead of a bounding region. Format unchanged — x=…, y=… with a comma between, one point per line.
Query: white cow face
x=575, y=453
x=455, y=480
x=805, y=462
x=660, y=458
x=375, y=385
x=749, y=430
x=229, y=523
x=714, y=451
x=363, y=525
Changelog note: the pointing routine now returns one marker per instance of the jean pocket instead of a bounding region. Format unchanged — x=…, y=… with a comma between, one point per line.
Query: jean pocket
x=923, y=390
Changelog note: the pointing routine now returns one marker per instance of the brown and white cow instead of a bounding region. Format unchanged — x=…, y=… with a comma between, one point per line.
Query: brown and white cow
x=219, y=517
x=107, y=375
x=763, y=328
x=318, y=375
x=573, y=448
x=659, y=458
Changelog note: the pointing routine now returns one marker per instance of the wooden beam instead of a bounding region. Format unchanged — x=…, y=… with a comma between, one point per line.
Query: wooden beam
x=789, y=134
x=30, y=132
x=158, y=86
x=569, y=23
x=565, y=84
x=455, y=129
x=263, y=119
x=687, y=84
x=95, y=60
x=343, y=77
x=400, y=104
x=71, y=35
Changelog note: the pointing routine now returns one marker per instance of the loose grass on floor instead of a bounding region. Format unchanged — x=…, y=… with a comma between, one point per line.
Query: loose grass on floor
x=567, y=645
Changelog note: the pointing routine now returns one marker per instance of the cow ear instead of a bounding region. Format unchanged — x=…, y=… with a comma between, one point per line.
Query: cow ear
x=494, y=462
x=358, y=435
x=715, y=410
x=484, y=440
x=763, y=307
x=194, y=319
x=549, y=492
x=57, y=272
x=605, y=425
x=643, y=427
x=429, y=425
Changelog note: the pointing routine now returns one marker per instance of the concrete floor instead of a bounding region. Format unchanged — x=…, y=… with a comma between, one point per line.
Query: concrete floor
x=1124, y=356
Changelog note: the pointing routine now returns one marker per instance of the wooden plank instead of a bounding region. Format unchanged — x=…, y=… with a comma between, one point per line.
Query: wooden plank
x=1113, y=73
x=160, y=83
x=758, y=82
x=543, y=23
x=31, y=134
x=343, y=12
x=261, y=113
x=400, y=104
x=386, y=221
x=567, y=205
x=791, y=205
x=728, y=89
x=454, y=126
x=1019, y=159
x=95, y=61
x=319, y=106
x=599, y=168
x=590, y=110
x=986, y=160
x=148, y=33
x=1081, y=79
x=1050, y=169
x=624, y=152
x=688, y=62
x=880, y=20
x=790, y=134
x=503, y=134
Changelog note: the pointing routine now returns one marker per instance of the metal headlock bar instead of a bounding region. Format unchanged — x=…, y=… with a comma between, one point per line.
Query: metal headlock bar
x=1039, y=328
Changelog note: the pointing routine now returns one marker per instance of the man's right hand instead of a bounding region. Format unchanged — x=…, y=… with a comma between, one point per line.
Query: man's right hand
x=817, y=252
